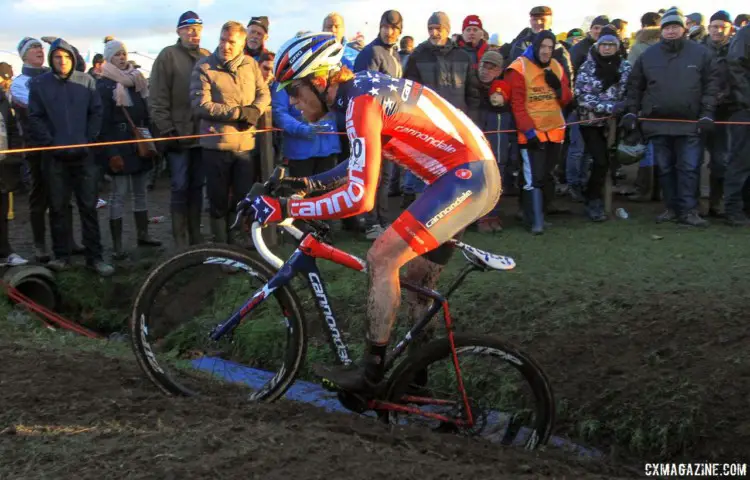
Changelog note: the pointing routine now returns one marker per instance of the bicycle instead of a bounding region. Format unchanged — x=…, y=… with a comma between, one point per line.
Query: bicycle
x=398, y=396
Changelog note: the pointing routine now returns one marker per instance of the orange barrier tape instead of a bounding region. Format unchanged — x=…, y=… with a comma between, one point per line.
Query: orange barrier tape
x=265, y=130
x=127, y=142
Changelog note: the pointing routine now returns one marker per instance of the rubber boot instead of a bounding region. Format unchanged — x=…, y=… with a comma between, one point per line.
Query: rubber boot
x=141, y=226
x=644, y=182
x=115, y=229
x=219, y=230
x=179, y=229
x=75, y=249
x=41, y=254
x=715, y=197
x=537, y=209
x=194, y=224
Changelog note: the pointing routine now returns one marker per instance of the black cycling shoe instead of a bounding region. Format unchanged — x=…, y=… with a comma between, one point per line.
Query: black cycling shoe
x=346, y=378
x=418, y=385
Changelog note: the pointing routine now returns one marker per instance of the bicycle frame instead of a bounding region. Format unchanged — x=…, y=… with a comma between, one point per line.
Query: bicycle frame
x=303, y=260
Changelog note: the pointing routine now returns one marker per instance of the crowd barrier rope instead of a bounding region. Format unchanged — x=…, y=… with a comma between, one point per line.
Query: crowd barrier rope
x=267, y=130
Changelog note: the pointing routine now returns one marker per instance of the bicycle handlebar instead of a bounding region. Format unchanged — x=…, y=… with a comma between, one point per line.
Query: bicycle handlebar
x=270, y=187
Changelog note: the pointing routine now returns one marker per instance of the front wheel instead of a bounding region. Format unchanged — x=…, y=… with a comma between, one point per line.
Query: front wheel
x=186, y=296
x=509, y=396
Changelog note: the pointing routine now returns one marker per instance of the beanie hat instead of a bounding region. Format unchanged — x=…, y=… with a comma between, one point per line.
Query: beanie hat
x=189, y=18
x=493, y=57
x=472, y=21
x=722, y=15
x=262, y=22
x=26, y=43
x=695, y=18
x=576, y=32
x=112, y=47
x=608, y=35
x=392, y=18
x=6, y=71
x=673, y=16
x=440, y=18
x=600, y=20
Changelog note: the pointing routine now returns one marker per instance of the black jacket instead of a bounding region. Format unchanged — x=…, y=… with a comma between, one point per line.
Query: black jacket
x=719, y=55
x=115, y=127
x=738, y=63
x=449, y=71
x=64, y=111
x=379, y=57
x=580, y=52
x=673, y=80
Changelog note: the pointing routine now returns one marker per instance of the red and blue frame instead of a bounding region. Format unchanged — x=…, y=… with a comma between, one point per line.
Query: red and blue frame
x=303, y=260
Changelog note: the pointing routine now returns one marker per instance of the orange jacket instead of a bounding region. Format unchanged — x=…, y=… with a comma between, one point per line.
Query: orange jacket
x=536, y=108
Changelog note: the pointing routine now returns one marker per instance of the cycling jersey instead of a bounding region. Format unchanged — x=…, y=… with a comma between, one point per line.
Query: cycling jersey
x=402, y=121
x=411, y=125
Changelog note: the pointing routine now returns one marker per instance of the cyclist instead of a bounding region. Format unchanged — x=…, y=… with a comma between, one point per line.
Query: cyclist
x=414, y=127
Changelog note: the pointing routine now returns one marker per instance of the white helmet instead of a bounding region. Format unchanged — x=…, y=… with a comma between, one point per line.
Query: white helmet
x=307, y=54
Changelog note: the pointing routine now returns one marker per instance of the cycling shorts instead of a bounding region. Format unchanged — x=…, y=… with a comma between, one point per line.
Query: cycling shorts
x=454, y=201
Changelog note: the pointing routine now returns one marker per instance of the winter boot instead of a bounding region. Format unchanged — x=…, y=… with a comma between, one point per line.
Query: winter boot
x=219, y=230
x=537, y=211
x=179, y=229
x=644, y=183
x=115, y=229
x=715, y=197
x=141, y=225
x=194, y=224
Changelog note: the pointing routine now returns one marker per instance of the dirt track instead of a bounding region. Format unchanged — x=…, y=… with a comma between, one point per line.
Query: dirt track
x=83, y=415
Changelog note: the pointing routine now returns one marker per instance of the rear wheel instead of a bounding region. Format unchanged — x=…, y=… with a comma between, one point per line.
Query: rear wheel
x=186, y=296
x=510, y=398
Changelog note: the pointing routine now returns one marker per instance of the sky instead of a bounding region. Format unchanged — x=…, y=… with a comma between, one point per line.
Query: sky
x=146, y=26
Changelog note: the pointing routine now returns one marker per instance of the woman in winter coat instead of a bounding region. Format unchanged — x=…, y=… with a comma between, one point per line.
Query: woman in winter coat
x=121, y=87
x=600, y=93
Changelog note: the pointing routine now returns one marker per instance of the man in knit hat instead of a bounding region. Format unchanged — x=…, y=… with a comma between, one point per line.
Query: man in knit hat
x=172, y=114
x=257, y=36
x=443, y=66
x=381, y=55
x=686, y=92
x=580, y=52
x=717, y=143
x=472, y=38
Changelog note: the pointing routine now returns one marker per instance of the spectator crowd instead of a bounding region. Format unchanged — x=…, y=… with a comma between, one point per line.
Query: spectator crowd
x=562, y=113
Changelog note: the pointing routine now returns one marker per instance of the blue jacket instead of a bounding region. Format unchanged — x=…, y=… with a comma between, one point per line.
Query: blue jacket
x=64, y=111
x=379, y=57
x=299, y=142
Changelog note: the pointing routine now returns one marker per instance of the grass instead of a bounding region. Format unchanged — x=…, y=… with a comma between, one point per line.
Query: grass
x=639, y=326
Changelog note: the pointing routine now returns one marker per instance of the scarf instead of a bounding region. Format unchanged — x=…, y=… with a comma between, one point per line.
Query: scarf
x=607, y=69
x=131, y=77
x=231, y=65
x=32, y=72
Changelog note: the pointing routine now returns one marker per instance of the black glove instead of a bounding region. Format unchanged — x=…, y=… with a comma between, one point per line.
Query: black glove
x=302, y=184
x=249, y=115
x=629, y=121
x=706, y=125
x=534, y=143
x=169, y=145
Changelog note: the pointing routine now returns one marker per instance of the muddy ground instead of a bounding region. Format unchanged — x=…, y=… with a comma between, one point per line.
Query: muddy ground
x=73, y=414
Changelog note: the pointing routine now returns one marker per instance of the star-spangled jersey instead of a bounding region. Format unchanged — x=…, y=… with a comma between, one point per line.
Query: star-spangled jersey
x=402, y=121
